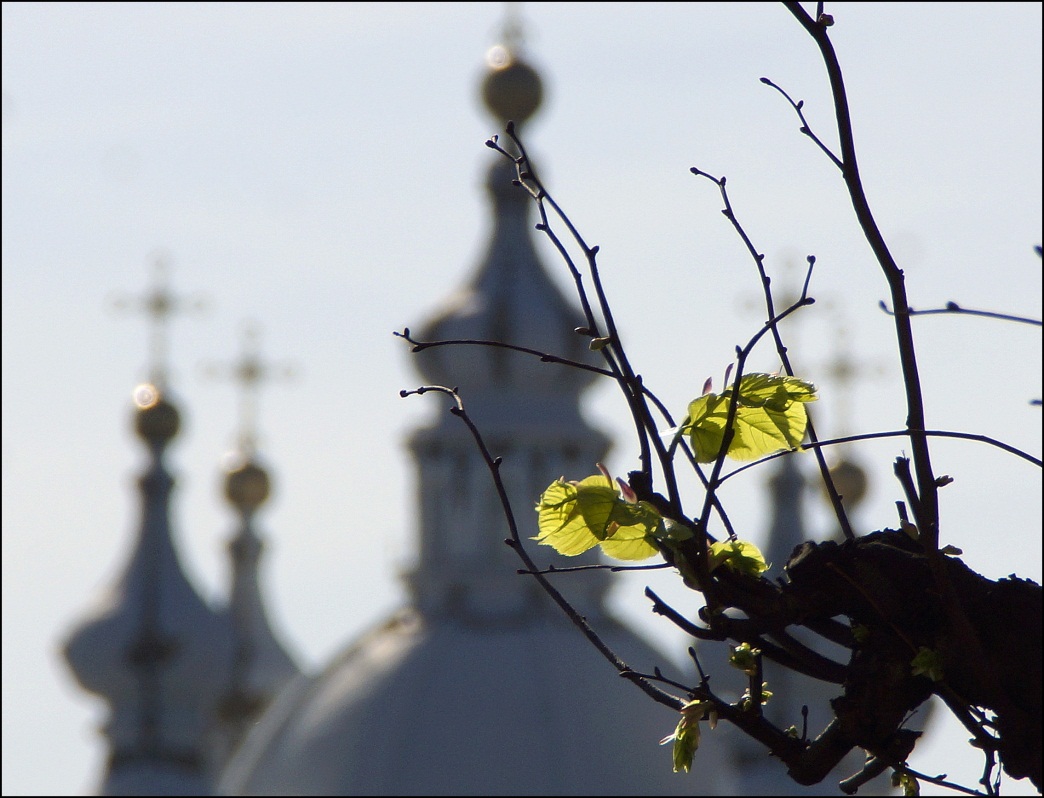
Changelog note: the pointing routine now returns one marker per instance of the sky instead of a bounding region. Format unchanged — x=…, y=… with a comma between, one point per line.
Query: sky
x=319, y=168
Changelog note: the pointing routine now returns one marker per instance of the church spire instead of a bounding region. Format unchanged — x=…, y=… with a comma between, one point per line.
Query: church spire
x=153, y=648
x=849, y=475
x=481, y=687
x=260, y=665
x=800, y=700
x=528, y=410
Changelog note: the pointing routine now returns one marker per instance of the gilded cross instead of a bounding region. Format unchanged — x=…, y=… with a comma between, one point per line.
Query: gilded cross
x=250, y=371
x=159, y=304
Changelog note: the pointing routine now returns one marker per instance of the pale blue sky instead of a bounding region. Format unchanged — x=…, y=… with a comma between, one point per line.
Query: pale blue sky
x=319, y=167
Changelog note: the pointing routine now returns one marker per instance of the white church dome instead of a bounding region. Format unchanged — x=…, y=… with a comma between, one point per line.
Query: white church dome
x=420, y=707
x=482, y=686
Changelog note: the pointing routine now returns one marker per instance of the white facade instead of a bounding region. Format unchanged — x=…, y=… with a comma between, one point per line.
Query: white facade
x=481, y=686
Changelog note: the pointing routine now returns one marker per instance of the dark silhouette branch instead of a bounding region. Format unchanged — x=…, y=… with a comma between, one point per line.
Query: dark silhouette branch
x=886, y=598
x=552, y=569
x=915, y=422
x=899, y=433
x=952, y=308
x=420, y=346
x=805, y=128
x=515, y=542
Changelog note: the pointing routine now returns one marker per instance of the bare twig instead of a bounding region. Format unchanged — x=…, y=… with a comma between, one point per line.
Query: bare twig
x=768, y=608
x=515, y=542
x=804, y=124
x=898, y=433
x=953, y=308
x=939, y=780
x=552, y=569
x=630, y=382
x=546, y=357
x=915, y=423
x=781, y=350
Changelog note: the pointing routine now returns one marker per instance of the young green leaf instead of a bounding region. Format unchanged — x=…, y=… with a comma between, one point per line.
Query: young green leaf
x=739, y=555
x=746, y=703
x=770, y=416
x=686, y=737
x=576, y=516
x=911, y=787
x=928, y=663
x=705, y=425
x=630, y=543
x=744, y=657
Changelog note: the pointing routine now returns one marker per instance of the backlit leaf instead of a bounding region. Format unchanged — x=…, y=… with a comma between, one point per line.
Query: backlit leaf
x=576, y=516
x=686, y=737
x=927, y=663
x=630, y=543
x=739, y=555
x=770, y=416
x=705, y=425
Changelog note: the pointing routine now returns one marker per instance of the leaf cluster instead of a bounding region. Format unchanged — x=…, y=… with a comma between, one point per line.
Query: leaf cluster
x=912, y=621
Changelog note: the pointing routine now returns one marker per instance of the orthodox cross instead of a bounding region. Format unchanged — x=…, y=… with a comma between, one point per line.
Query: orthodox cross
x=842, y=369
x=512, y=33
x=159, y=304
x=249, y=371
x=786, y=290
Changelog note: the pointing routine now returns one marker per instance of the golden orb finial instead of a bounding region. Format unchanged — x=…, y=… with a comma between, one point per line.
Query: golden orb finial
x=512, y=89
x=247, y=486
x=851, y=481
x=156, y=419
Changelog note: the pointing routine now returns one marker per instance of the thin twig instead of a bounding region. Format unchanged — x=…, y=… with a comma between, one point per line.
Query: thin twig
x=804, y=124
x=546, y=357
x=515, y=542
x=552, y=569
x=901, y=469
x=926, y=484
x=759, y=261
x=630, y=382
x=953, y=308
x=660, y=607
x=613, y=352
x=939, y=780
x=657, y=676
x=898, y=433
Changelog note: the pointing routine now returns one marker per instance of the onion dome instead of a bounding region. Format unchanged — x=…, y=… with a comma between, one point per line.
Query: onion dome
x=260, y=665
x=417, y=707
x=152, y=648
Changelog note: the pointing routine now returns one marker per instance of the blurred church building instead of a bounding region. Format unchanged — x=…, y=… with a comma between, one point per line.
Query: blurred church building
x=479, y=685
